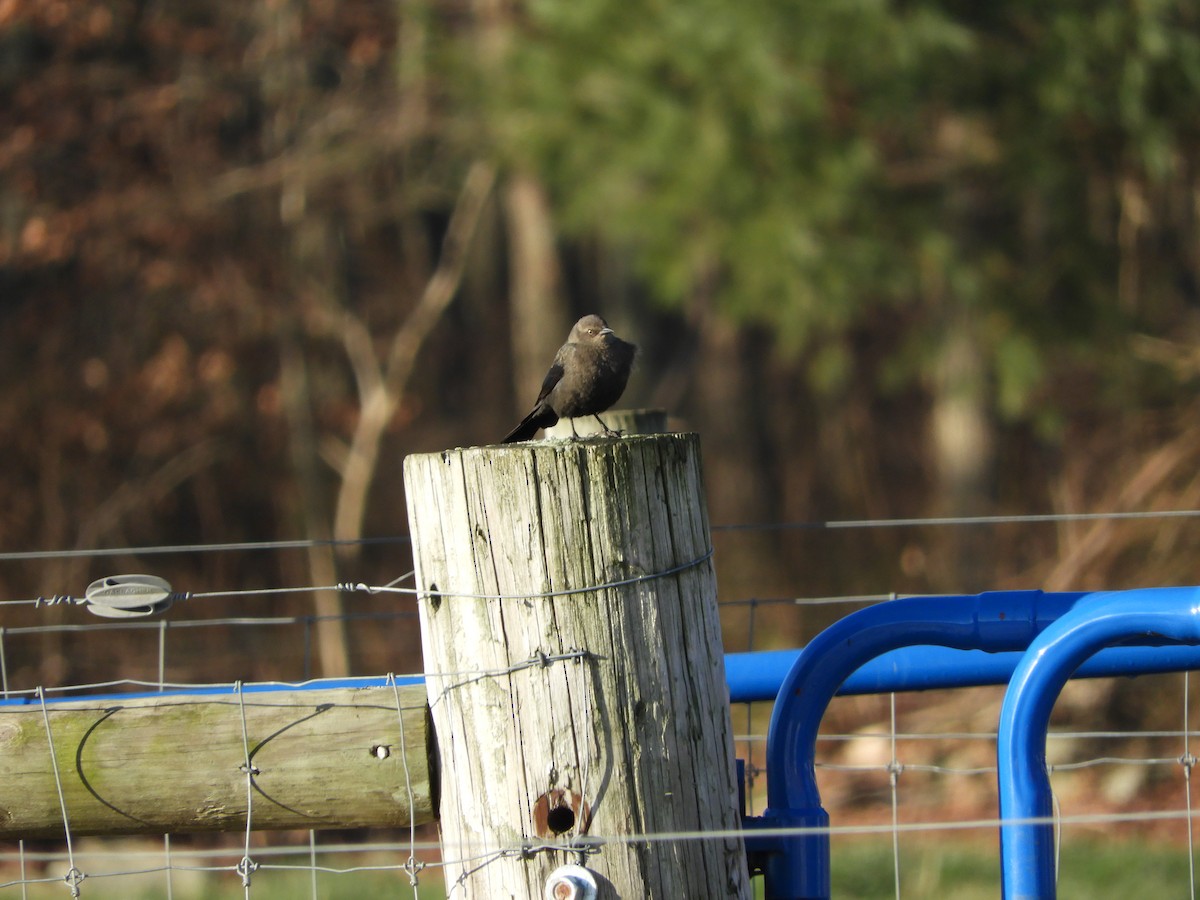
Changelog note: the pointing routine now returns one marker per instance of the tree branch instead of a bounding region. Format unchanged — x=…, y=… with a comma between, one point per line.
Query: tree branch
x=380, y=400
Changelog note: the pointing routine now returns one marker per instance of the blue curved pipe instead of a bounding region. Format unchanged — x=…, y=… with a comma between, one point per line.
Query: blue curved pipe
x=797, y=867
x=1149, y=616
x=758, y=675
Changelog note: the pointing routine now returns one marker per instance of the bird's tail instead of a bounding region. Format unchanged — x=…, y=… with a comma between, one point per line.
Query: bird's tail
x=526, y=430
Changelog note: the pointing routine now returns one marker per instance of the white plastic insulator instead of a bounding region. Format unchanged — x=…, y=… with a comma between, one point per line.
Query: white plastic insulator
x=570, y=883
x=128, y=596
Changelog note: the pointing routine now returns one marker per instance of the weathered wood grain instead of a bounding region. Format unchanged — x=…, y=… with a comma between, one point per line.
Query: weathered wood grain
x=324, y=759
x=632, y=739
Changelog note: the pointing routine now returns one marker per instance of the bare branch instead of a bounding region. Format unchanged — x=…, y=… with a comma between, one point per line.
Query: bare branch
x=379, y=402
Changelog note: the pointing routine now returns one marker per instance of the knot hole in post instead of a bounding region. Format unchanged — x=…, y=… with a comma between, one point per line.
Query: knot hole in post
x=435, y=598
x=560, y=819
x=557, y=811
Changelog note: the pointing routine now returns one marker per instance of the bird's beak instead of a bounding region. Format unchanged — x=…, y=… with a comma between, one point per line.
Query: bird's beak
x=604, y=331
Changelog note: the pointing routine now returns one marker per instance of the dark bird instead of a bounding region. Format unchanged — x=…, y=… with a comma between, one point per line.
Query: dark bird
x=588, y=376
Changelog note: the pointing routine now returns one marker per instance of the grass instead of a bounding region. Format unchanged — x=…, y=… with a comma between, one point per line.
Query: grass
x=1090, y=870
x=265, y=885
x=861, y=870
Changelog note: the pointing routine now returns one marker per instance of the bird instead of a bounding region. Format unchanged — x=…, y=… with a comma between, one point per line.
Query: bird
x=587, y=377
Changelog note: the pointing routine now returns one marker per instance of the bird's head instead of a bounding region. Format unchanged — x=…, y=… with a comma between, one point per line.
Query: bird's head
x=590, y=329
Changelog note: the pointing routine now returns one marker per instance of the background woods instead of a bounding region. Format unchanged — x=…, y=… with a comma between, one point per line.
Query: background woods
x=888, y=259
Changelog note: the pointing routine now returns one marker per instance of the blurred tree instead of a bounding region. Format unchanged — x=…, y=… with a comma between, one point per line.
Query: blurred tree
x=1001, y=188
x=897, y=251
x=192, y=192
x=816, y=164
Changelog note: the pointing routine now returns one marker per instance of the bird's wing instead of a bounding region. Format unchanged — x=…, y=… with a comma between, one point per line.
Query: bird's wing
x=554, y=376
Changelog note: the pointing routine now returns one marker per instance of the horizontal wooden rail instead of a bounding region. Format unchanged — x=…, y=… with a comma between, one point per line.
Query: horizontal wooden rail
x=178, y=763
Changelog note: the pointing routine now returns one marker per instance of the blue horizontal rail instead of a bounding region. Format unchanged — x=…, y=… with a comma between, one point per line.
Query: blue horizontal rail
x=758, y=676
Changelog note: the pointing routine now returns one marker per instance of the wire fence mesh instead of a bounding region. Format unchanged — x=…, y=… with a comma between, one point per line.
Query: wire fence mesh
x=902, y=769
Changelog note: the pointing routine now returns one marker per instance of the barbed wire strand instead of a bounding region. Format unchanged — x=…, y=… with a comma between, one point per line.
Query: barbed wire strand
x=411, y=864
x=168, y=866
x=545, y=595
x=391, y=587
x=1171, y=734
x=21, y=852
x=895, y=828
x=537, y=659
x=363, y=587
x=526, y=850
x=749, y=766
x=815, y=525
x=894, y=768
x=663, y=837
x=223, y=547
x=1057, y=817
x=580, y=845
x=312, y=861
x=3, y=667
x=1097, y=761
x=587, y=802
x=205, y=693
x=1188, y=763
x=162, y=653
x=232, y=621
x=960, y=521
x=247, y=866
x=162, y=686
x=411, y=573
x=74, y=876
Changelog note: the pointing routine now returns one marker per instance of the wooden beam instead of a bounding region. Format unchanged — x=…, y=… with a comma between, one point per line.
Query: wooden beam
x=574, y=664
x=176, y=762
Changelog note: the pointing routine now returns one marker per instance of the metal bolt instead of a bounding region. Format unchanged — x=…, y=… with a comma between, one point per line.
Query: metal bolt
x=570, y=883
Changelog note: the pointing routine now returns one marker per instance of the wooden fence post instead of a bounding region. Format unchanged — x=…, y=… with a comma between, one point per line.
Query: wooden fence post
x=574, y=668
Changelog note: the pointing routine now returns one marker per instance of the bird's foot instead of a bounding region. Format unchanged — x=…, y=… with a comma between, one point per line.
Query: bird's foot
x=608, y=432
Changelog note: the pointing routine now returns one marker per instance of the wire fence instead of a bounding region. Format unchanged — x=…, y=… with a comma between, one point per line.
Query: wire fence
x=903, y=769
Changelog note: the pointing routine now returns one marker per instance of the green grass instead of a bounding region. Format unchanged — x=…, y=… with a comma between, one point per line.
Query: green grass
x=1091, y=870
x=266, y=884
x=862, y=870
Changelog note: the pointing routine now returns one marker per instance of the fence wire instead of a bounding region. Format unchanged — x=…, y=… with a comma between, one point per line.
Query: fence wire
x=881, y=778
